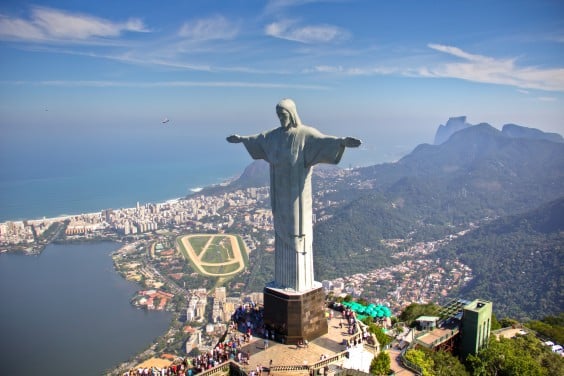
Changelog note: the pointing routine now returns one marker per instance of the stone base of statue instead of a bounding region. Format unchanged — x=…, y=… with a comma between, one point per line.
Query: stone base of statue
x=295, y=316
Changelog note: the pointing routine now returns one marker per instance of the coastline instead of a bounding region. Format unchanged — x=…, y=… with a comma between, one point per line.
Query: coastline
x=120, y=185
x=42, y=231
x=72, y=282
x=63, y=216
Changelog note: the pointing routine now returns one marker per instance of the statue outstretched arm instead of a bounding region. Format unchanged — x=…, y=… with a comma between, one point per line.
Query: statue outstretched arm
x=351, y=142
x=235, y=139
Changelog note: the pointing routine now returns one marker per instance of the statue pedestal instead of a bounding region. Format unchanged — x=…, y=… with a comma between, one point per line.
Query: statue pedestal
x=295, y=316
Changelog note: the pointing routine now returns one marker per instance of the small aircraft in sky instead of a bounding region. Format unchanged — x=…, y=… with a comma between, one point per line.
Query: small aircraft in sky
x=165, y=120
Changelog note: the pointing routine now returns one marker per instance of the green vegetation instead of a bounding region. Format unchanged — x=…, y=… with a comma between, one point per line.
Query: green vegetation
x=382, y=338
x=551, y=327
x=516, y=262
x=438, y=190
x=221, y=269
x=495, y=325
x=380, y=364
x=523, y=355
x=439, y=363
x=419, y=358
x=184, y=253
x=198, y=243
x=446, y=364
x=414, y=310
x=218, y=251
x=54, y=229
x=243, y=249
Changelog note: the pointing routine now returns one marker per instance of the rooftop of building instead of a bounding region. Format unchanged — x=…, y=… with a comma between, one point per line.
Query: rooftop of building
x=477, y=305
x=436, y=336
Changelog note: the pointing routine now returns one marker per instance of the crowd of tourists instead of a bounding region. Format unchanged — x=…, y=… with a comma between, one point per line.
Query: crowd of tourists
x=247, y=322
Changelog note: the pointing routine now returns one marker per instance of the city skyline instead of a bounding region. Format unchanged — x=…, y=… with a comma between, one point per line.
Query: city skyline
x=95, y=81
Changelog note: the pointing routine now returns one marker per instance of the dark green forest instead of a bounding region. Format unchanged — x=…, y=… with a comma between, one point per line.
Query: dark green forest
x=516, y=262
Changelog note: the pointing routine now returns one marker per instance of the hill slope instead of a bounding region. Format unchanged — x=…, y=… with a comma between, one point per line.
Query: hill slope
x=517, y=262
x=438, y=189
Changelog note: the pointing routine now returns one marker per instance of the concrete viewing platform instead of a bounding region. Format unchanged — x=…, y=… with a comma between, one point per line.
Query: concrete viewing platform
x=326, y=350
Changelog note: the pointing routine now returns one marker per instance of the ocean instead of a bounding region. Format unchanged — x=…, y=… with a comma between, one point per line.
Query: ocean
x=51, y=184
x=112, y=185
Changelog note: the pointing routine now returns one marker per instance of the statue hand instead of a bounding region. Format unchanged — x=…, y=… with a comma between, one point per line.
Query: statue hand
x=351, y=142
x=234, y=139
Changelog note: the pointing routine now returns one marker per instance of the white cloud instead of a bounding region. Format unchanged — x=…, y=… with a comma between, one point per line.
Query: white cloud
x=354, y=71
x=288, y=30
x=490, y=70
x=217, y=27
x=242, y=84
x=547, y=99
x=48, y=24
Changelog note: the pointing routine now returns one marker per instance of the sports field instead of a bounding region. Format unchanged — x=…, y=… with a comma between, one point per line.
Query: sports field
x=213, y=255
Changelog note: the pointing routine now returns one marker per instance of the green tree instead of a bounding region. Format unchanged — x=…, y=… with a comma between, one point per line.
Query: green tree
x=414, y=310
x=550, y=326
x=382, y=338
x=419, y=358
x=446, y=364
x=380, y=364
x=521, y=356
x=495, y=324
x=507, y=322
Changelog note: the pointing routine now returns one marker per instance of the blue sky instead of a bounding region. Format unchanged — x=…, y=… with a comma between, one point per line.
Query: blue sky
x=99, y=76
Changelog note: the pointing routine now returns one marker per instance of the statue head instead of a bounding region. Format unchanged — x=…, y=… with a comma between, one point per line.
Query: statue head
x=287, y=113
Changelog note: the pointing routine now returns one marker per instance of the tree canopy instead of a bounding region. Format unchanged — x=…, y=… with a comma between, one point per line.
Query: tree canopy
x=380, y=364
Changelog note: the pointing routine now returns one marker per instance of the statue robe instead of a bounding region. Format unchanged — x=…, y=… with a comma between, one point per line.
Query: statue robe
x=291, y=154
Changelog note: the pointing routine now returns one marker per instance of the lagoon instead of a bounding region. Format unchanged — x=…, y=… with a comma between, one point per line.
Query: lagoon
x=67, y=311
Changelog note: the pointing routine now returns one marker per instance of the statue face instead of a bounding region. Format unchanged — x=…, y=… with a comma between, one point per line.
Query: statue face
x=285, y=118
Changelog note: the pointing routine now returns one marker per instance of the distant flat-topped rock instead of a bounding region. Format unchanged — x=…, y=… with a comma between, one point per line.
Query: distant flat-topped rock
x=453, y=125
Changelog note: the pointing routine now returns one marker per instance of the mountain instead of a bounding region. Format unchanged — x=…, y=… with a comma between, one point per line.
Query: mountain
x=477, y=175
x=517, y=262
x=453, y=125
x=255, y=175
x=479, y=172
x=498, y=180
x=517, y=131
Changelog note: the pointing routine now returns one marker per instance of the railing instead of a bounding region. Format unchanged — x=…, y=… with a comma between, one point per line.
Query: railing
x=369, y=347
x=335, y=358
x=222, y=369
x=293, y=368
x=315, y=366
x=438, y=341
x=229, y=366
x=351, y=372
x=407, y=364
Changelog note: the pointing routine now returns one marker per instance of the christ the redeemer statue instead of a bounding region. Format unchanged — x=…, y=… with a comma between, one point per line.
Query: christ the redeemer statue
x=292, y=150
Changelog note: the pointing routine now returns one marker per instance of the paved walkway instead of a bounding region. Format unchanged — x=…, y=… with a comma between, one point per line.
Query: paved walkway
x=288, y=355
x=395, y=364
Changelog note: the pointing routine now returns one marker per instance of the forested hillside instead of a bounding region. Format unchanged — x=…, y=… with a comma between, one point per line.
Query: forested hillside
x=439, y=189
x=517, y=262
